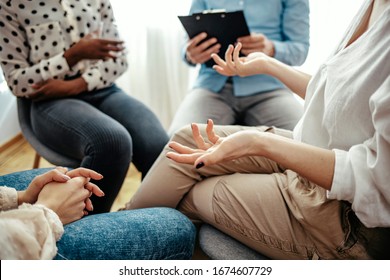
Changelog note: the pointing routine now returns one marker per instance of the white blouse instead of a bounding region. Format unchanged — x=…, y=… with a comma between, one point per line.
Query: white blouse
x=347, y=109
x=35, y=34
x=28, y=232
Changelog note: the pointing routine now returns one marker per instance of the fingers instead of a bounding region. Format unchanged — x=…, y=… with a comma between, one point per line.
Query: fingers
x=199, y=51
x=196, y=40
x=220, y=62
x=198, y=137
x=210, y=132
x=84, y=172
x=111, y=42
x=236, y=57
x=228, y=57
x=206, y=159
x=94, y=189
x=183, y=158
x=52, y=175
x=102, y=48
x=62, y=169
x=221, y=66
x=179, y=148
x=252, y=41
x=88, y=205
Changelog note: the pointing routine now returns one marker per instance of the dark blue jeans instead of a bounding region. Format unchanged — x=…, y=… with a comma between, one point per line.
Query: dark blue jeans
x=105, y=130
x=153, y=233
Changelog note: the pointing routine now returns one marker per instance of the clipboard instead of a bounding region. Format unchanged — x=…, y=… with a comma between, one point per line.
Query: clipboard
x=225, y=26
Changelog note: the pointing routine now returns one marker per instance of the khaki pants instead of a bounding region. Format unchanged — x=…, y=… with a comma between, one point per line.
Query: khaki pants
x=256, y=201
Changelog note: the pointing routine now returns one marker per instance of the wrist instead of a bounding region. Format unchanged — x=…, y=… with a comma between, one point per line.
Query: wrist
x=79, y=85
x=272, y=67
x=46, y=203
x=188, y=60
x=21, y=198
x=71, y=56
x=261, y=144
x=270, y=48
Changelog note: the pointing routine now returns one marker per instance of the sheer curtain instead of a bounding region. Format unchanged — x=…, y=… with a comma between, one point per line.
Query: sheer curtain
x=154, y=38
x=328, y=22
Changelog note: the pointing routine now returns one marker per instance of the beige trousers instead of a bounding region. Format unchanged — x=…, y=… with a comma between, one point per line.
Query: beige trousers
x=254, y=200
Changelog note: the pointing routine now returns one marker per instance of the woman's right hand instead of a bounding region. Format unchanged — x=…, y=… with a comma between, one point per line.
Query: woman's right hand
x=69, y=200
x=90, y=47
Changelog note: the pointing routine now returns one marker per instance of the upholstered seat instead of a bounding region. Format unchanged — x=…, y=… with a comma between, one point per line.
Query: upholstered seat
x=55, y=158
x=219, y=246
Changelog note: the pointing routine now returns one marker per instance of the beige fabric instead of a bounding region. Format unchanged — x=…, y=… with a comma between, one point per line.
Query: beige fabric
x=270, y=209
x=27, y=232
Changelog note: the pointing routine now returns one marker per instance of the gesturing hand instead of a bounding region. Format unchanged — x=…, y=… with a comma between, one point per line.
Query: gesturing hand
x=254, y=63
x=217, y=149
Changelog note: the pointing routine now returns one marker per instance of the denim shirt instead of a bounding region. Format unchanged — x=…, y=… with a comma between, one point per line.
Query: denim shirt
x=284, y=22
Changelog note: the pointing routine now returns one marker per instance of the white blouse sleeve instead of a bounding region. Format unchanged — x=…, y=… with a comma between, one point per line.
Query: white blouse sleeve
x=362, y=174
x=29, y=232
x=8, y=198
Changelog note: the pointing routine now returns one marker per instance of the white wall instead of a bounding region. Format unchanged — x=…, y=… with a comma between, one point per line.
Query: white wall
x=329, y=19
x=9, y=126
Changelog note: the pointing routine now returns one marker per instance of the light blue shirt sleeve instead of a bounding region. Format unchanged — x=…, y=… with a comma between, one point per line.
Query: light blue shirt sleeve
x=294, y=46
x=196, y=6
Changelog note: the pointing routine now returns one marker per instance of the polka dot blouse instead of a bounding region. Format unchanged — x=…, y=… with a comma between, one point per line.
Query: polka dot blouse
x=34, y=35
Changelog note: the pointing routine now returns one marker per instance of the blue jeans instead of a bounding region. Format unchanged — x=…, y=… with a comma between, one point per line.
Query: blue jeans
x=153, y=233
x=104, y=130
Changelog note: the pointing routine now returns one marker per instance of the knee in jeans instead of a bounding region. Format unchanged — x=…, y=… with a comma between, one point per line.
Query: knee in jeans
x=112, y=144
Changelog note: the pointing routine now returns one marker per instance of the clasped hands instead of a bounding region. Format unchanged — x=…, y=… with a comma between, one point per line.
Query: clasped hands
x=65, y=192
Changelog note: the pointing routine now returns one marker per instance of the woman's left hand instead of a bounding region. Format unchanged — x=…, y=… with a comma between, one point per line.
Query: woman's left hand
x=234, y=65
x=217, y=150
x=52, y=88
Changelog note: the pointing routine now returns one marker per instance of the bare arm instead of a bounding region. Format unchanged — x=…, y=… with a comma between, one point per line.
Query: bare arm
x=294, y=79
x=313, y=163
x=259, y=63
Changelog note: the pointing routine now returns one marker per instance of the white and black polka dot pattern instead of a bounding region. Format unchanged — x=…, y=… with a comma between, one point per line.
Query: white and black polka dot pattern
x=35, y=33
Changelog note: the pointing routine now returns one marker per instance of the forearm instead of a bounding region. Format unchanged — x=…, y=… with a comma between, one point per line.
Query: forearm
x=71, y=56
x=294, y=79
x=315, y=164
